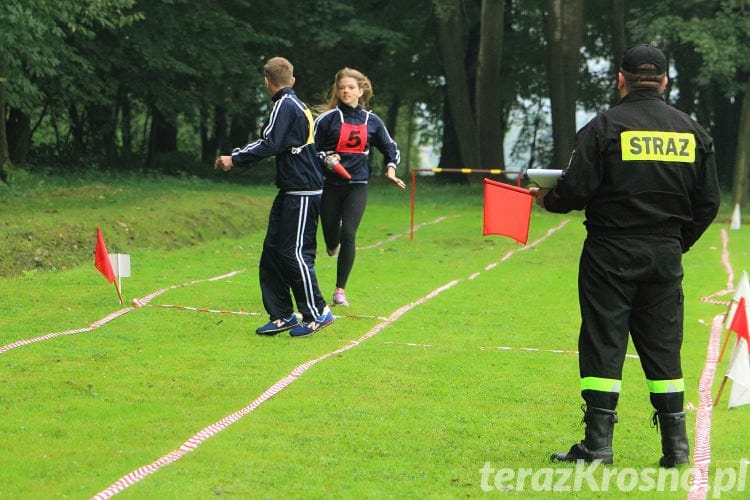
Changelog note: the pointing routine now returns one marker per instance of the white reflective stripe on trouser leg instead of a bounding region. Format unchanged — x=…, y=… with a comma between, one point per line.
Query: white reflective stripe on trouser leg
x=307, y=283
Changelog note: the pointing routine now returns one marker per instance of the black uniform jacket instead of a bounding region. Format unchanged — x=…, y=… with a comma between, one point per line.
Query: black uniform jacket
x=641, y=168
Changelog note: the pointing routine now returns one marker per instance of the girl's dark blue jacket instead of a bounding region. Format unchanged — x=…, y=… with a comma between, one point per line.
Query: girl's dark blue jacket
x=328, y=129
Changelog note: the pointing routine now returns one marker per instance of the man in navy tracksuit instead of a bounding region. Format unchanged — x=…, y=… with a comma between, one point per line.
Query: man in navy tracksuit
x=646, y=176
x=288, y=257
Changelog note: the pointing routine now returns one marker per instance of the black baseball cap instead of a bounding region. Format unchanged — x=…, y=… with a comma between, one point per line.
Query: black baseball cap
x=637, y=55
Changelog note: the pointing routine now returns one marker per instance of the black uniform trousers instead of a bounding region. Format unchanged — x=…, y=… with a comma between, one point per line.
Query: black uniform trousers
x=288, y=257
x=630, y=284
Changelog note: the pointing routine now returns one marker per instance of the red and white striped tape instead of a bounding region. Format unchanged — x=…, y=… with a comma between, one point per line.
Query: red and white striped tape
x=211, y=430
x=699, y=482
x=246, y=313
x=711, y=299
x=702, y=448
x=205, y=310
x=96, y=324
x=48, y=336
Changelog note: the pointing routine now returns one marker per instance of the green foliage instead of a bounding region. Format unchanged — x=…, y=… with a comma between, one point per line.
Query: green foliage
x=719, y=33
x=90, y=75
x=471, y=376
x=35, y=36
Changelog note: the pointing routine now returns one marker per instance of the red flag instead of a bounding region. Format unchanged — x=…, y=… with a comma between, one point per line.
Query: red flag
x=739, y=322
x=101, y=259
x=507, y=210
x=739, y=365
x=103, y=264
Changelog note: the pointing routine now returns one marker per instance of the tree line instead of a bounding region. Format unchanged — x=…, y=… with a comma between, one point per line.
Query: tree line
x=166, y=85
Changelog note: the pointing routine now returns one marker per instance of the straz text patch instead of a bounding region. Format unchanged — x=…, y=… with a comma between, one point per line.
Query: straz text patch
x=655, y=145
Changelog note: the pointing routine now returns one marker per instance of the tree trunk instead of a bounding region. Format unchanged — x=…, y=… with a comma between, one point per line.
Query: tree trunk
x=618, y=43
x=391, y=115
x=406, y=153
x=18, y=136
x=450, y=156
x=488, y=105
x=448, y=20
x=743, y=150
x=564, y=30
x=163, y=135
x=4, y=155
x=240, y=131
x=725, y=126
x=126, y=124
x=77, y=131
x=391, y=123
x=220, y=142
x=208, y=142
x=102, y=126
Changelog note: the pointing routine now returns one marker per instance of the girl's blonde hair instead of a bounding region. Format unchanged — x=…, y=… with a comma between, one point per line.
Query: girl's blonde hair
x=362, y=81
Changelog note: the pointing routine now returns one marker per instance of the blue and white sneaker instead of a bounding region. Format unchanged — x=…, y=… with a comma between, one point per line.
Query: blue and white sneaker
x=310, y=327
x=278, y=325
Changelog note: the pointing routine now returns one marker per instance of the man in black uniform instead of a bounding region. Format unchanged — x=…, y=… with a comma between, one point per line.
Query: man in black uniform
x=646, y=176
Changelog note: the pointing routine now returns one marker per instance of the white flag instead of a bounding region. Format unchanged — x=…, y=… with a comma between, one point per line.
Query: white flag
x=739, y=372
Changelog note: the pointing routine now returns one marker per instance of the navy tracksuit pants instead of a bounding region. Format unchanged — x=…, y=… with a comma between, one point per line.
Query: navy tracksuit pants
x=288, y=258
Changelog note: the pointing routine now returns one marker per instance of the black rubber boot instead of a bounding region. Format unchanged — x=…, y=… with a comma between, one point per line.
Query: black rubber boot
x=674, y=442
x=597, y=443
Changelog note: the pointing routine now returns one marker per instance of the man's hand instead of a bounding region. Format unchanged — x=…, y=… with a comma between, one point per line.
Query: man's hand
x=223, y=163
x=539, y=194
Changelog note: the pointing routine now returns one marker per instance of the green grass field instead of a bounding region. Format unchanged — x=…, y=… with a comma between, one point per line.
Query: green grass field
x=455, y=357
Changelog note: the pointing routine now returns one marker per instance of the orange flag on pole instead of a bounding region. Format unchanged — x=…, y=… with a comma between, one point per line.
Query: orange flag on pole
x=507, y=210
x=103, y=264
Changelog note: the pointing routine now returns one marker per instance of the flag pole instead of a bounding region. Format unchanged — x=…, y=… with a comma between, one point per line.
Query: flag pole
x=721, y=389
x=729, y=332
x=724, y=346
x=119, y=293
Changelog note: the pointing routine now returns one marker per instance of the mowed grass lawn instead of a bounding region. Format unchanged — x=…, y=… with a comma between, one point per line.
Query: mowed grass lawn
x=456, y=356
